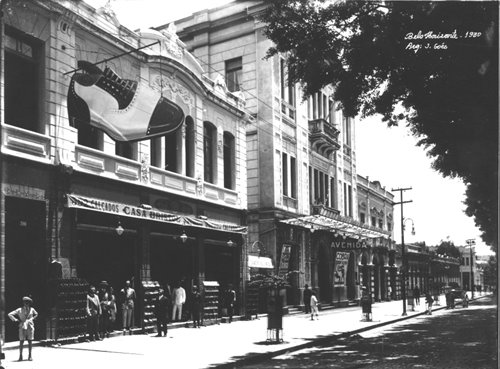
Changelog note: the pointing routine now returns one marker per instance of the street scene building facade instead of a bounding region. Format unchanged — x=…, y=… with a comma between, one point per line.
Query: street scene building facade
x=179, y=156
x=87, y=194
x=303, y=187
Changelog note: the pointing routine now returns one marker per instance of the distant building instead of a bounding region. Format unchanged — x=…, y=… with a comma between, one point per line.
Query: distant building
x=469, y=264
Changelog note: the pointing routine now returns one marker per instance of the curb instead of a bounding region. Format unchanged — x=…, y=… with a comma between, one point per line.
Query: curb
x=259, y=357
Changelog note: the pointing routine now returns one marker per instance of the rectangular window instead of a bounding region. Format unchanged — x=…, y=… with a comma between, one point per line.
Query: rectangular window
x=171, y=151
x=362, y=218
x=346, y=125
x=287, y=91
x=311, y=187
x=374, y=222
x=316, y=187
x=345, y=199
x=293, y=177
x=234, y=72
x=327, y=191
x=389, y=226
x=229, y=161
x=380, y=224
x=126, y=149
x=23, y=77
x=209, y=132
x=349, y=188
x=189, y=147
x=284, y=173
x=466, y=261
x=155, y=152
x=332, y=193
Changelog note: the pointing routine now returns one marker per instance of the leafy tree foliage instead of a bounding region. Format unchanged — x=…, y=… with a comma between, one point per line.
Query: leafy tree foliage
x=444, y=89
x=491, y=272
x=448, y=248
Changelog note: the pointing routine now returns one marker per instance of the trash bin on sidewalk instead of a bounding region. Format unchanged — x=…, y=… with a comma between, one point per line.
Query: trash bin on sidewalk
x=275, y=302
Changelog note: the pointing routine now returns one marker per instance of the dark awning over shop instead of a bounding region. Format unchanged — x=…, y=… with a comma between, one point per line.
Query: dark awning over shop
x=338, y=226
x=125, y=210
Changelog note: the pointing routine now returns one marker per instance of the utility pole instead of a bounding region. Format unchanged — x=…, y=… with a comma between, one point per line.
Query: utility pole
x=403, y=251
x=471, y=242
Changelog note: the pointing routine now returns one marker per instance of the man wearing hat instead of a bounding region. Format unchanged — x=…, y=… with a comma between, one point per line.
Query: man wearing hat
x=25, y=315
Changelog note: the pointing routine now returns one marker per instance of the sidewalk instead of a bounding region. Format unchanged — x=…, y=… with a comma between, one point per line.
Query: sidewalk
x=225, y=345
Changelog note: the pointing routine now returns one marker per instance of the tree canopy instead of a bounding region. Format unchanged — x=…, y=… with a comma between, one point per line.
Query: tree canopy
x=448, y=248
x=432, y=66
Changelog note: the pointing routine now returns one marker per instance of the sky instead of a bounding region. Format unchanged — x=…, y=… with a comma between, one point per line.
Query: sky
x=388, y=155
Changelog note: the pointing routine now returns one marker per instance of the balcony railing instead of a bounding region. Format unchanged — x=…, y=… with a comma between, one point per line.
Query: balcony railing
x=323, y=136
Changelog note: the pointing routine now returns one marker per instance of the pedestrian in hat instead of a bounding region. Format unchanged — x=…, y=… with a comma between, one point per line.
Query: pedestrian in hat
x=25, y=316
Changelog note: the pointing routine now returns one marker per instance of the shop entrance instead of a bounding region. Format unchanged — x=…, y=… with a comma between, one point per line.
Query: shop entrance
x=171, y=261
x=221, y=265
x=351, y=277
x=324, y=273
x=106, y=256
x=25, y=261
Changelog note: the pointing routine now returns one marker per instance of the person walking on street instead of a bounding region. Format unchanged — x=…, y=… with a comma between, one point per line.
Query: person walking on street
x=161, y=313
x=229, y=300
x=307, y=299
x=25, y=316
x=314, y=306
x=429, y=300
x=128, y=302
x=416, y=295
x=196, y=307
x=93, y=314
x=178, y=299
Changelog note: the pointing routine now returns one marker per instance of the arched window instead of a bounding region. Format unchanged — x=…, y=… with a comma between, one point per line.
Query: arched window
x=229, y=161
x=190, y=146
x=209, y=152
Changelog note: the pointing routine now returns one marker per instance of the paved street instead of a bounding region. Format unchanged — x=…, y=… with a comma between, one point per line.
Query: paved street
x=459, y=338
x=229, y=344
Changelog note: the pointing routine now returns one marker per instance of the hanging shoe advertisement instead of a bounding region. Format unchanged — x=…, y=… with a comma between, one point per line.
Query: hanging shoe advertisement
x=124, y=109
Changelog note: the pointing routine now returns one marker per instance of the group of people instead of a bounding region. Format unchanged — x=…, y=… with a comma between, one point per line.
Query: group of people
x=102, y=309
x=429, y=300
x=177, y=298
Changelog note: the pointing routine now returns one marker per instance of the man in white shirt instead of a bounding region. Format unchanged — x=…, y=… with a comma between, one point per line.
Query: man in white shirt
x=178, y=299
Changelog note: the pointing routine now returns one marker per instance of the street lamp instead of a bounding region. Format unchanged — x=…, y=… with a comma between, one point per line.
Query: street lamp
x=471, y=242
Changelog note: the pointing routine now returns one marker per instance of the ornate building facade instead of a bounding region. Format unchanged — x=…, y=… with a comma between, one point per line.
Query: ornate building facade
x=120, y=161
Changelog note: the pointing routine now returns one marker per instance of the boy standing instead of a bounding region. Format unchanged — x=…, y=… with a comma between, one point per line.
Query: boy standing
x=25, y=315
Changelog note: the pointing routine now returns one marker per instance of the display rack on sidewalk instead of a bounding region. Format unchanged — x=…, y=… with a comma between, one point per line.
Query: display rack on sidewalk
x=71, y=303
x=150, y=292
x=211, y=302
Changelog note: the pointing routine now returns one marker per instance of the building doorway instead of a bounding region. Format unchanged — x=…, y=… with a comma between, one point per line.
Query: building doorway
x=25, y=261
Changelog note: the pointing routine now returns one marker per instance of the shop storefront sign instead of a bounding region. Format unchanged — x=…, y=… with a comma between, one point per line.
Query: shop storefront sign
x=260, y=262
x=341, y=265
x=81, y=202
x=284, y=260
x=349, y=245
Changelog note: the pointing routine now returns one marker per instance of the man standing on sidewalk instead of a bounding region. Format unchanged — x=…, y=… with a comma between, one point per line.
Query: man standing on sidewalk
x=307, y=299
x=178, y=299
x=416, y=295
